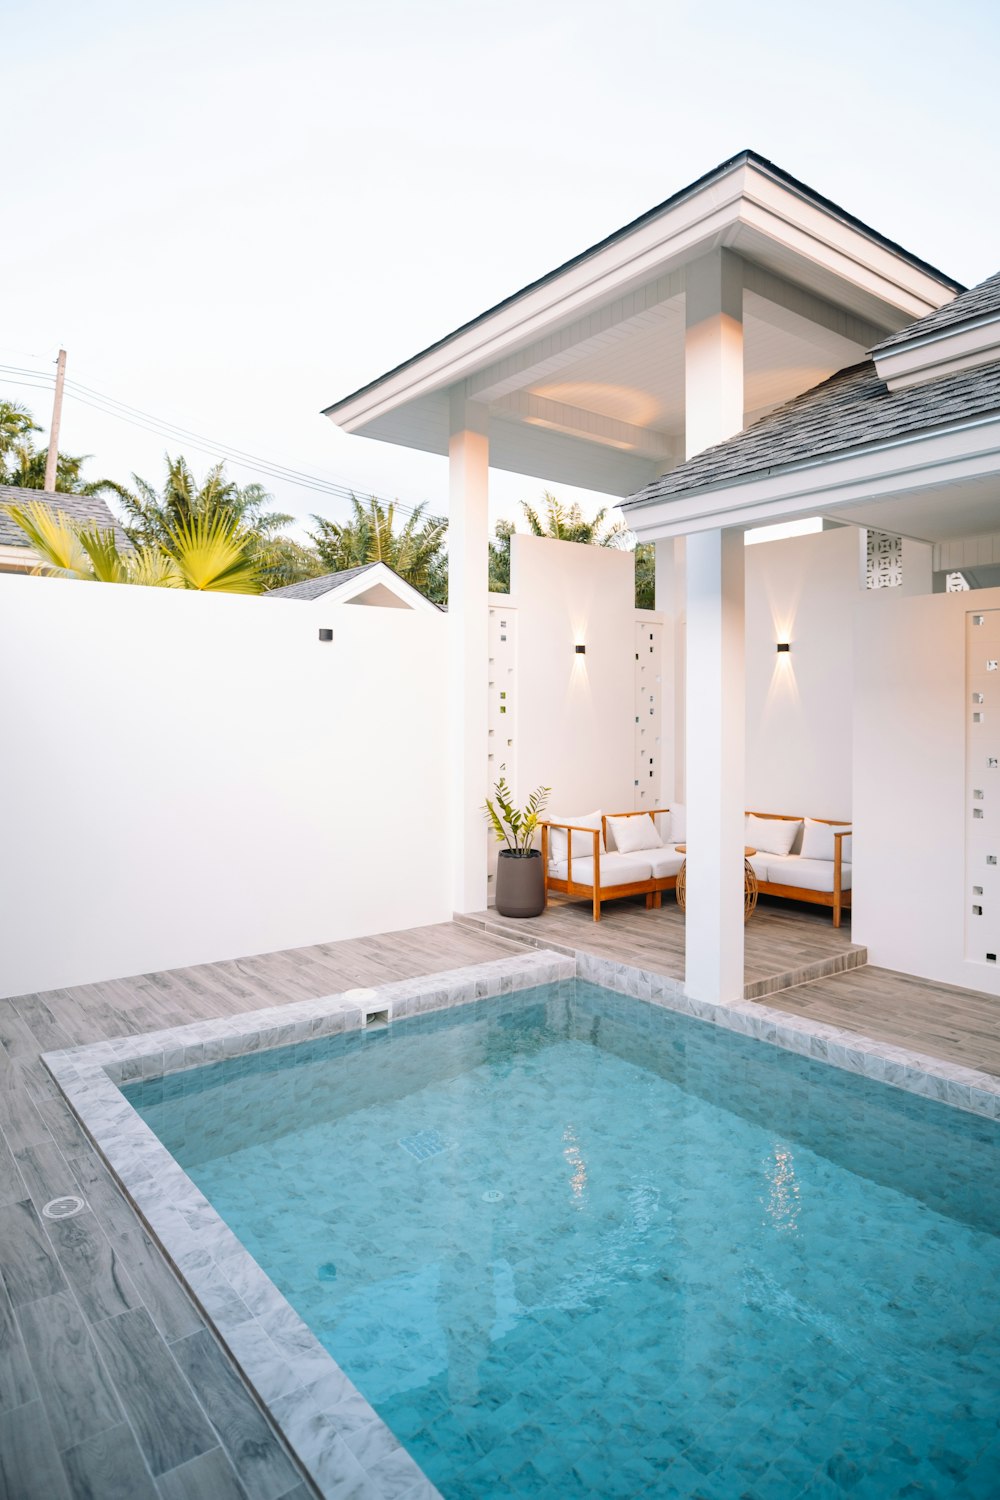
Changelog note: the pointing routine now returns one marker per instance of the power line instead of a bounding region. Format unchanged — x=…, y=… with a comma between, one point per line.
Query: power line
x=136, y=417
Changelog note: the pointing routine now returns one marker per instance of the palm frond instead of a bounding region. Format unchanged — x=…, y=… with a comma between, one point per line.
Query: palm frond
x=212, y=553
x=55, y=540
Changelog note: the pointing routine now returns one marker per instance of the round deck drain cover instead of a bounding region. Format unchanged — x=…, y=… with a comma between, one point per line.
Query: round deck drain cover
x=62, y=1208
x=492, y=1195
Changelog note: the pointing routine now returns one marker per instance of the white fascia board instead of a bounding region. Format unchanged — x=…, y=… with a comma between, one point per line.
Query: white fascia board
x=709, y=218
x=944, y=352
x=13, y=559
x=776, y=211
x=922, y=461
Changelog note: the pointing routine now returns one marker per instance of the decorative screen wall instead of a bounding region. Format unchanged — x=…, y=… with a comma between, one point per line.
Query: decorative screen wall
x=982, y=786
x=503, y=700
x=884, y=561
x=648, y=714
x=502, y=716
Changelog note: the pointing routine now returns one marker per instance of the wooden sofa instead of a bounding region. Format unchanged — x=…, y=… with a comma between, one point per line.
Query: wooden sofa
x=799, y=879
x=602, y=875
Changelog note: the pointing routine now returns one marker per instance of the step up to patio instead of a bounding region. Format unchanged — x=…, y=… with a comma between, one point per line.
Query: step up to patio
x=784, y=947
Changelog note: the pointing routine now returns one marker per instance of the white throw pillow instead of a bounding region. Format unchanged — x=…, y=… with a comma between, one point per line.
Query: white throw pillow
x=678, y=823
x=772, y=835
x=583, y=843
x=633, y=834
x=818, y=842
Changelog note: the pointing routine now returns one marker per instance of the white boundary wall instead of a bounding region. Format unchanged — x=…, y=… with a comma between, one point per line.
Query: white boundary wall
x=912, y=805
x=189, y=777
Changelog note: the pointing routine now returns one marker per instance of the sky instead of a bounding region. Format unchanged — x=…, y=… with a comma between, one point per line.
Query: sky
x=233, y=214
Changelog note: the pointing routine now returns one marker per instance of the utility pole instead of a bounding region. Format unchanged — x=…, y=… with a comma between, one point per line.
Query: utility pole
x=53, y=453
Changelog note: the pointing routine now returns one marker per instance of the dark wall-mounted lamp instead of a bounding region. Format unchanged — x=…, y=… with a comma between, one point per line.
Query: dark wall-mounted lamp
x=326, y=635
x=580, y=650
x=784, y=646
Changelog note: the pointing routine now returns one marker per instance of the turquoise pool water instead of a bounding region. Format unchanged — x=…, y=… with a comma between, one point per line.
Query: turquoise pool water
x=570, y=1244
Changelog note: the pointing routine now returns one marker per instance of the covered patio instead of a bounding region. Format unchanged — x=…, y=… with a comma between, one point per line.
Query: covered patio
x=670, y=336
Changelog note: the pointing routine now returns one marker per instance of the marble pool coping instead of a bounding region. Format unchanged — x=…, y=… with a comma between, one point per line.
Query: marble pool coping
x=339, y=1440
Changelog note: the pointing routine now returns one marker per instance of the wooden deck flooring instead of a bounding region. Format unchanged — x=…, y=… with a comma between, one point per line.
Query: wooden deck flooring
x=111, y=1385
x=786, y=944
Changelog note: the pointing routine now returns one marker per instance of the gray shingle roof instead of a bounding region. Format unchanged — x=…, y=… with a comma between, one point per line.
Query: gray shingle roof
x=315, y=588
x=853, y=409
x=981, y=301
x=83, y=509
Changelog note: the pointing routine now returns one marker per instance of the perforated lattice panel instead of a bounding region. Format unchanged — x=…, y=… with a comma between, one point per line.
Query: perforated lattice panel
x=648, y=715
x=884, y=561
x=982, y=786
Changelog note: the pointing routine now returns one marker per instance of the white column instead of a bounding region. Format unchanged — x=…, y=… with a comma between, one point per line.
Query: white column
x=713, y=350
x=715, y=689
x=716, y=756
x=468, y=628
x=670, y=603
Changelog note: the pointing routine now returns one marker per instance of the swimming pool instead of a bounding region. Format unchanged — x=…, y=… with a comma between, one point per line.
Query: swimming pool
x=568, y=1243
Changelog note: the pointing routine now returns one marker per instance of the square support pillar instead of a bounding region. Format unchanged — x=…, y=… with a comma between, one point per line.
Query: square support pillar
x=713, y=350
x=716, y=757
x=468, y=647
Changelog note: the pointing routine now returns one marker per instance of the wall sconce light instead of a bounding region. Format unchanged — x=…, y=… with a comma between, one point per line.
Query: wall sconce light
x=784, y=646
x=326, y=635
x=580, y=650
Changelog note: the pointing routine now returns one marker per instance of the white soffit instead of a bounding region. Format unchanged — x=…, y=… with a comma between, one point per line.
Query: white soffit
x=618, y=294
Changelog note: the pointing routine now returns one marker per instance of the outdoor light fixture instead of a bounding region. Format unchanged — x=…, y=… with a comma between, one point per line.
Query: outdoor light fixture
x=580, y=650
x=326, y=635
x=784, y=646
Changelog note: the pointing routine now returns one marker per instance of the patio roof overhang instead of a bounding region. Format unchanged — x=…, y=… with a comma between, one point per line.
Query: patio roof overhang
x=581, y=374
x=933, y=486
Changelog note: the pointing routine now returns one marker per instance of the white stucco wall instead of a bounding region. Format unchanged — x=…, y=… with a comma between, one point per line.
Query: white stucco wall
x=803, y=590
x=575, y=714
x=189, y=777
x=911, y=891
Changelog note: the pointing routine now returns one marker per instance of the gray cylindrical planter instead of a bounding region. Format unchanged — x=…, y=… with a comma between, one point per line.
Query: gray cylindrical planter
x=520, y=884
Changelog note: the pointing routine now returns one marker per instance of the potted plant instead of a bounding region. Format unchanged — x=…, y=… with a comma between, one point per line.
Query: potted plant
x=520, y=890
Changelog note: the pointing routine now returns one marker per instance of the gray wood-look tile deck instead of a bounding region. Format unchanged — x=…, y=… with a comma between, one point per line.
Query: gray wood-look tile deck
x=111, y=1386
x=785, y=944
x=110, y=1383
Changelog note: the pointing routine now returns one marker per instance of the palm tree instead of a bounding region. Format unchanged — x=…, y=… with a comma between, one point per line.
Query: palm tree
x=22, y=465
x=206, y=551
x=152, y=516
x=567, y=524
x=416, y=552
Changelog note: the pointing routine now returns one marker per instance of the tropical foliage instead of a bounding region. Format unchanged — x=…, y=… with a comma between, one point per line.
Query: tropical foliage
x=567, y=523
x=416, y=552
x=23, y=465
x=208, y=552
x=514, y=826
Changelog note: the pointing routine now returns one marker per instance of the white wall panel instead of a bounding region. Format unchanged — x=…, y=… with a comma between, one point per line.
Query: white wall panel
x=190, y=777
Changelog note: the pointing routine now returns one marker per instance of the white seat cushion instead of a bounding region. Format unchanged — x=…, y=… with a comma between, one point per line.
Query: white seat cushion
x=616, y=869
x=807, y=874
x=665, y=861
x=758, y=864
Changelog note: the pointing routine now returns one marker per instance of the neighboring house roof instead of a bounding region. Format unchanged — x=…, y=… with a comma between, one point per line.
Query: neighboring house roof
x=982, y=301
x=315, y=588
x=852, y=409
x=385, y=586
x=85, y=510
